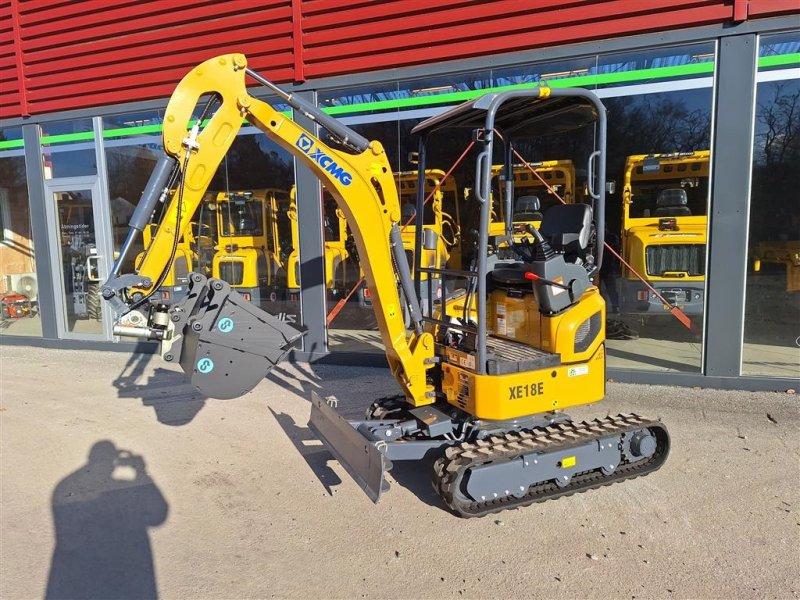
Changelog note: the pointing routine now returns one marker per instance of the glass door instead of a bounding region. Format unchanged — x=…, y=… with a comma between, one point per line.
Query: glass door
x=80, y=249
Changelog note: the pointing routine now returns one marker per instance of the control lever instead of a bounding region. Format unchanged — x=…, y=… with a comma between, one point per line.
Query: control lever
x=534, y=277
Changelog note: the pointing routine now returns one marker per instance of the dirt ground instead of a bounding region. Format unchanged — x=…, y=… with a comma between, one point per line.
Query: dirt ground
x=117, y=481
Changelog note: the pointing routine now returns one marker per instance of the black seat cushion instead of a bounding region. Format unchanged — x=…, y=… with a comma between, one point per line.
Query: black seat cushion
x=567, y=227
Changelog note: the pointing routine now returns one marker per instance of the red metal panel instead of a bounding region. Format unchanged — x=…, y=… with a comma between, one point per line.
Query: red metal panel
x=764, y=8
x=117, y=51
x=330, y=18
x=75, y=54
x=739, y=10
x=297, y=40
x=22, y=87
x=460, y=26
x=87, y=77
x=135, y=93
x=80, y=54
x=86, y=27
x=477, y=39
x=48, y=8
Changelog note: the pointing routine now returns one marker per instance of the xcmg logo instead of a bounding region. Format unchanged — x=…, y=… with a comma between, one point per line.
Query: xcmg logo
x=306, y=144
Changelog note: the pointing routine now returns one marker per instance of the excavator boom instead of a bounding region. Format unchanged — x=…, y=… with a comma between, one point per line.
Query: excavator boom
x=358, y=177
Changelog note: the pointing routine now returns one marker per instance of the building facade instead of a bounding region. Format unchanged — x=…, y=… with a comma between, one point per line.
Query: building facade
x=703, y=99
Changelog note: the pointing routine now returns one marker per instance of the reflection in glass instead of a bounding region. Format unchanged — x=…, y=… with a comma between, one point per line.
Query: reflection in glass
x=80, y=261
x=772, y=309
x=68, y=148
x=257, y=249
x=643, y=67
x=19, y=289
x=657, y=222
x=251, y=210
x=645, y=123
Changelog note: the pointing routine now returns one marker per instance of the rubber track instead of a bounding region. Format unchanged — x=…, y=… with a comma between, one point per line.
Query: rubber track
x=450, y=469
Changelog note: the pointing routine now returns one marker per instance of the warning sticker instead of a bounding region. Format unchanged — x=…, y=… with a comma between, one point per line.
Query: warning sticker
x=578, y=371
x=501, y=319
x=558, y=290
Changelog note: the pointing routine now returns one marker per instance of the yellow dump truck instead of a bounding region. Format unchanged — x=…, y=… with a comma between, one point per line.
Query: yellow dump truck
x=664, y=222
x=254, y=242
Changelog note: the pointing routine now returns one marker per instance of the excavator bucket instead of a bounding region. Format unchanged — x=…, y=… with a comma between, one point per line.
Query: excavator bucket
x=224, y=343
x=363, y=458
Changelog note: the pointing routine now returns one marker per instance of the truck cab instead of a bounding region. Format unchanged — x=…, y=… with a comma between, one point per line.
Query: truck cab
x=251, y=242
x=664, y=222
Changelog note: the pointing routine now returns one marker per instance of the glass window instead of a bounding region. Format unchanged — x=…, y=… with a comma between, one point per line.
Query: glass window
x=132, y=143
x=373, y=100
x=255, y=233
x=772, y=308
x=575, y=72
x=657, y=68
x=659, y=104
x=19, y=296
x=351, y=321
x=244, y=229
x=68, y=149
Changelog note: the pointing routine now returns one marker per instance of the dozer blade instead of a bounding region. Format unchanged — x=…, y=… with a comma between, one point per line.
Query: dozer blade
x=224, y=343
x=360, y=456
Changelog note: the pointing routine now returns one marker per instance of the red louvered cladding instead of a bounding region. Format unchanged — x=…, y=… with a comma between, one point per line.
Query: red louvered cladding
x=58, y=55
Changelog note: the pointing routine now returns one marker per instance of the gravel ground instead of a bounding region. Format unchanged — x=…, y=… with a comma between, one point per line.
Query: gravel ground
x=118, y=481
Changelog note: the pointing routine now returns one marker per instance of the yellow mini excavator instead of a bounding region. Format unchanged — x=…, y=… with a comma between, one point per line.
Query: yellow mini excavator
x=483, y=393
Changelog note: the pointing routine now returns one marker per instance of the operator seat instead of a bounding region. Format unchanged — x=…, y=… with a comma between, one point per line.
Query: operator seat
x=526, y=208
x=408, y=211
x=568, y=230
x=672, y=203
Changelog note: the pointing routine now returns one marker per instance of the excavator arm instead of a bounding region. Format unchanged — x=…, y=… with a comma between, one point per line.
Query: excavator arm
x=359, y=178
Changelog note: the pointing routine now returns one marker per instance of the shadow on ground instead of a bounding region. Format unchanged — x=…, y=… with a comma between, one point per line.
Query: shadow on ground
x=168, y=393
x=102, y=513
x=412, y=475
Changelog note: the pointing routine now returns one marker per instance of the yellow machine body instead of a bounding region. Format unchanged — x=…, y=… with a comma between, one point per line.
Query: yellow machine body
x=362, y=184
x=435, y=219
x=483, y=385
x=243, y=259
x=785, y=253
x=516, y=395
x=185, y=261
x=665, y=244
x=578, y=379
x=341, y=269
x=285, y=238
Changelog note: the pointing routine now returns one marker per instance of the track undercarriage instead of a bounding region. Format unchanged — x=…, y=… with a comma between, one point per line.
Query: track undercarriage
x=484, y=468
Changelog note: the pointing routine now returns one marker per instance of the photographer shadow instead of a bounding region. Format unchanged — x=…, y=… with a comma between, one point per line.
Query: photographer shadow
x=102, y=513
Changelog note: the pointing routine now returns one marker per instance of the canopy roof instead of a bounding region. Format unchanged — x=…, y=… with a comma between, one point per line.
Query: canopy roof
x=537, y=111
